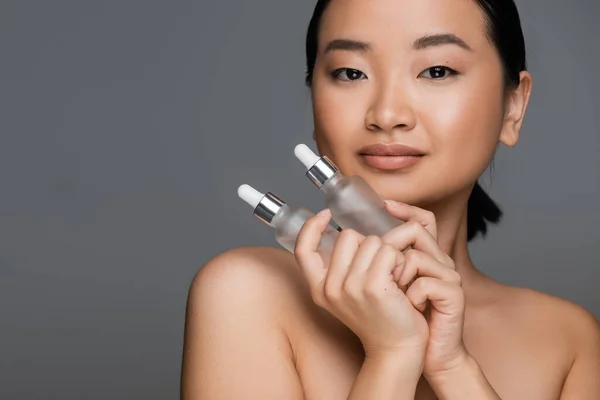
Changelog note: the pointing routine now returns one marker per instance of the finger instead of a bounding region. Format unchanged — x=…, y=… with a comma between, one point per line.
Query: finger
x=305, y=250
x=360, y=264
x=445, y=297
x=406, y=213
x=413, y=234
x=400, y=263
x=344, y=250
x=380, y=271
x=422, y=264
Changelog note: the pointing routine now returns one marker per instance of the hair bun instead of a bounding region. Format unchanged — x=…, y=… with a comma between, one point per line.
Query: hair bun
x=481, y=210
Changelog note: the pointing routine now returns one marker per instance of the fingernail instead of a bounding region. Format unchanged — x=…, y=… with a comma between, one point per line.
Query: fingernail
x=390, y=202
x=323, y=213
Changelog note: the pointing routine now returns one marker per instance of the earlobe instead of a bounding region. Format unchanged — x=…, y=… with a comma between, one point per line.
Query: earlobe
x=516, y=105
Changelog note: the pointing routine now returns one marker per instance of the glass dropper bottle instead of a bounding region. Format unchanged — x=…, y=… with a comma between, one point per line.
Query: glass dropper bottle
x=286, y=220
x=353, y=203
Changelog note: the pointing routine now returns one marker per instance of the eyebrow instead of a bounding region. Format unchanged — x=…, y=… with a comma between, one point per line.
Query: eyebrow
x=419, y=44
x=348, y=45
x=439, y=40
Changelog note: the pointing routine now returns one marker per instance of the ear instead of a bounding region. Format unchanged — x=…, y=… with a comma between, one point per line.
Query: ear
x=516, y=104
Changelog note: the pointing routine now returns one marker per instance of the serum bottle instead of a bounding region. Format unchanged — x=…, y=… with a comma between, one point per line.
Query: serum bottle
x=353, y=203
x=286, y=220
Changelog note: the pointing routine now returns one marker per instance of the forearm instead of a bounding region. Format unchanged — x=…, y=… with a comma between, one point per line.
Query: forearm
x=465, y=382
x=388, y=376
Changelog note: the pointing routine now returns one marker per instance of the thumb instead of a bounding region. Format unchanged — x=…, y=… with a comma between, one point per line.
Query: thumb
x=306, y=248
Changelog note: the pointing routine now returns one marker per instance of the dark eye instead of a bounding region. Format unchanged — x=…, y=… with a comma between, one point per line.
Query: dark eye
x=438, y=72
x=351, y=74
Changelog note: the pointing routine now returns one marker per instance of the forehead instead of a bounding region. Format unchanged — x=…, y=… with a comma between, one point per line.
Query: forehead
x=399, y=22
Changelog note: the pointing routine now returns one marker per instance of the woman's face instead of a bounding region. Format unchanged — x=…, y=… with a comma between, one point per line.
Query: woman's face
x=390, y=92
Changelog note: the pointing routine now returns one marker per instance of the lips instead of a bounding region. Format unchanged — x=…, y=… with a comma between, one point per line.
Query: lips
x=390, y=150
x=390, y=156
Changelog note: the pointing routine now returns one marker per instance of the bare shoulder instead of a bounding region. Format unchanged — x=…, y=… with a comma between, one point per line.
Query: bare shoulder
x=553, y=309
x=573, y=328
x=557, y=318
x=264, y=274
x=235, y=344
x=257, y=267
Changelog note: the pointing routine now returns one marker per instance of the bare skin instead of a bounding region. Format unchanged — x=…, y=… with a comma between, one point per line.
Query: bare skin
x=253, y=329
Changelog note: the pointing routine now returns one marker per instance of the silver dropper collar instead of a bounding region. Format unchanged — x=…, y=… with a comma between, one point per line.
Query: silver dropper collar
x=323, y=170
x=268, y=207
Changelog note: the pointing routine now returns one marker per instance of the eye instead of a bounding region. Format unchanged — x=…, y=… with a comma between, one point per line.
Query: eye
x=438, y=72
x=351, y=74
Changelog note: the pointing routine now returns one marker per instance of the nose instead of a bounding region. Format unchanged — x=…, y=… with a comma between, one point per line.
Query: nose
x=390, y=110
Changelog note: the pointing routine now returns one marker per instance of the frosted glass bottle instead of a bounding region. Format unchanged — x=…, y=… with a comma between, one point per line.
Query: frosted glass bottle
x=353, y=203
x=286, y=220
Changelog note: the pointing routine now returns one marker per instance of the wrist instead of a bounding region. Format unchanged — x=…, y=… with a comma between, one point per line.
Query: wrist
x=407, y=360
x=465, y=380
x=412, y=352
x=456, y=363
x=388, y=374
x=464, y=366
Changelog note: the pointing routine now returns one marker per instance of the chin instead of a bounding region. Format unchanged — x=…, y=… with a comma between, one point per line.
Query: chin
x=406, y=189
x=395, y=189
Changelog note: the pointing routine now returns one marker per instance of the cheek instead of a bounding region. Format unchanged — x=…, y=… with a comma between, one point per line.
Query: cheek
x=336, y=118
x=465, y=128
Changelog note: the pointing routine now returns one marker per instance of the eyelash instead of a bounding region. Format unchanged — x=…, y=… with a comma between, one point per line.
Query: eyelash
x=336, y=74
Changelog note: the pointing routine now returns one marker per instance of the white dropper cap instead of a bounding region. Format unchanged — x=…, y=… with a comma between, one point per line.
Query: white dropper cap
x=306, y=155
x=250, y=195
x=319, y=169
x=265, y=206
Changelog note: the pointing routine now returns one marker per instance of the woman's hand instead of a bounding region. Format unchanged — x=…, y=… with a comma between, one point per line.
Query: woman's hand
x=436, y=290
x=359, y=288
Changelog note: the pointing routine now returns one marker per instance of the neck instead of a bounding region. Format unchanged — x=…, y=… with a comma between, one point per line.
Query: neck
x=451, y=220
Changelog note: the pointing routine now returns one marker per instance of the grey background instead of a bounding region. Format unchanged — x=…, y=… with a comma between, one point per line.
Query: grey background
x=127, y=126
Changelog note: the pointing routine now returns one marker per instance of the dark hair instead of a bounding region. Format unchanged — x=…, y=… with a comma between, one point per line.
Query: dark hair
x=503, y=29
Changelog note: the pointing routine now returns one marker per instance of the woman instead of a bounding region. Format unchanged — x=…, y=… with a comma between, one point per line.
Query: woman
x=448, y=79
